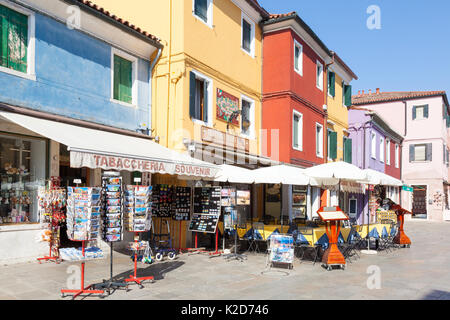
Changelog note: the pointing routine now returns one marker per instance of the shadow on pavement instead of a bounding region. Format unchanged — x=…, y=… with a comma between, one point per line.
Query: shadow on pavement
x=157, y=270
x=437, y=295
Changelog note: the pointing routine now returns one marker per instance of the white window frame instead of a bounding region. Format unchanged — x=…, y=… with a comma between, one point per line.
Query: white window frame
x=134, y=66
x=373, y=144
x=388, y=152
x=397, y=155
x=300, y=130
x=251, y=134
x=252, y=35
x=201, y=76
x=382, y=146
x=356, y=207
x=300, y=58
x=31, y=45
x=343, y=84
x=319, y=77
x=319, y=153
x=209, y=23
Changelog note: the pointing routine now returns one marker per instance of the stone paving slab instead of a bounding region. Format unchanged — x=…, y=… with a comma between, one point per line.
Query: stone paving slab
x=420, y=272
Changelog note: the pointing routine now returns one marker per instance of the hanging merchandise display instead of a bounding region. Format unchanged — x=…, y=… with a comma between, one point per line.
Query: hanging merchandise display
x=182, y=206
x=162, y=201
x=207, y=206
x=83, y=224
x=51, y=208
x=112, y=208
x=138, y=213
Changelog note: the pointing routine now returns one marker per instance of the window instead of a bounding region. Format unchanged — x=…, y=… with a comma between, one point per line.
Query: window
x=123, y=79
x=248, y=35
x=346, y=94
x=298, y=58
x=420, y=112
x=347, y=150
x=297, y=132
x=388, y=152
x=248, y=117
x=331, y=83
x=319, y=75
x=199, y=97
x=202, y=9
x=332, y=145
x=381, y=149
x=16, y=41
x=319, y=140
x=420, y=152
x=397, y=156
x=352, y=207
x=373, y=145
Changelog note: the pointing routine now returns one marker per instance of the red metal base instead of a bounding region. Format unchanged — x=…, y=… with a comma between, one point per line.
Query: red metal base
x=54, y=259
x=76, y=293
x=138, y=280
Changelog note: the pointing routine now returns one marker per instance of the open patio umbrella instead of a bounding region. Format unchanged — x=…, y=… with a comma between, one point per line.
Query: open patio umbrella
x=375, y=177
x=282, y=174
x=234, y=174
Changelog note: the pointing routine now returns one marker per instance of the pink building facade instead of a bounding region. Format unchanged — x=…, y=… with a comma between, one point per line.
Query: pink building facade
x=422, y=118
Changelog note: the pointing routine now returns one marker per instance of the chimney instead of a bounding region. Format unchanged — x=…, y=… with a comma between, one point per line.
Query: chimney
x=363, y=92
x=378, y=90
x=370, y=91
x=359, y=93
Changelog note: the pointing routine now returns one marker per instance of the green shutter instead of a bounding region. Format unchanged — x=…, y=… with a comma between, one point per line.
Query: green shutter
x=425, y=111
x=348, y=95
x=192, y=90
x=412, y=156
x=429, y=152
x=331, y=83
x=205, y=101
x=348, y=150
x=414, y=113
x=13, y=39
x=123, y=80
x=333, y=145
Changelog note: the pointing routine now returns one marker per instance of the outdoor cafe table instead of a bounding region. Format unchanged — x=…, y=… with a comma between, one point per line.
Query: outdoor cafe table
x=320, y=237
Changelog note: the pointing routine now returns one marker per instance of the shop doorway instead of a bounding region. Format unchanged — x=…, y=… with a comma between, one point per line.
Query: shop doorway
x=419, y=205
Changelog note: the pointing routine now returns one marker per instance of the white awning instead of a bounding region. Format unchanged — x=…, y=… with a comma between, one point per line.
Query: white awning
x=111, y=151
x=337, y=171
x=376, y=177
x=234, y=174
x=283, y=174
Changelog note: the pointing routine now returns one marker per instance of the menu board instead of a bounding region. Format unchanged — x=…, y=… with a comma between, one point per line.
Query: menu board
x=299, y=196
x=204, y=223
x=112, y=208
x=331, y=213
x=182, y=206
x=83, y=213
x=162, y=200
x=138, y=211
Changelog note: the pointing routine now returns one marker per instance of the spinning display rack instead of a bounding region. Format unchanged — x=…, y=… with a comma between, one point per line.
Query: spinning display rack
x=83, y=224
x=182, y=210
x=139, y=219
x=52, y=203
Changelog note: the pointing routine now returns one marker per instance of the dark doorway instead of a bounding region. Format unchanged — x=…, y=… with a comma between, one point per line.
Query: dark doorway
x=419, y=207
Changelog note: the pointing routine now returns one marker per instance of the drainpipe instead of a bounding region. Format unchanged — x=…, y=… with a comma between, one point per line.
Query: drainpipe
x=406, y=117
x=152, y=66
x=169, y=74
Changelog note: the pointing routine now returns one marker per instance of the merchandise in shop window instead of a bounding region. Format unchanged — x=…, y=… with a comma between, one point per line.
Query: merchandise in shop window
x=138, y=214
x=112, y=208
x=207, y=208
x=83, y=213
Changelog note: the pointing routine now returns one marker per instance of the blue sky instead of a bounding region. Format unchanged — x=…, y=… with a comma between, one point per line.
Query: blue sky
x=411, y=51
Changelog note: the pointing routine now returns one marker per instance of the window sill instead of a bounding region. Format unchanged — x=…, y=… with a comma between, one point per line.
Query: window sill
x=123, y=103
x=19, y=74
x=201, y=123
x=251, y=54
x=300, y=73
x=320, y=88
x=202, y=21
x=297, y=149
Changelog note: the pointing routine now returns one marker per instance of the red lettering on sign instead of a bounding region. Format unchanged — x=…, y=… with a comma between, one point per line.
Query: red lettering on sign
x=133, y=164
x=119, y=163
x=126, y=163
x=112, y=162
x=104, y=162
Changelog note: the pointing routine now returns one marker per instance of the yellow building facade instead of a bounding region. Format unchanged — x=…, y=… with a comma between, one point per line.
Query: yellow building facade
x=212, y=58
x=338, y=97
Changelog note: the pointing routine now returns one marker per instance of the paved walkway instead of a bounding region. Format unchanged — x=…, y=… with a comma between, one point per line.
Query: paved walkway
x=420, y=272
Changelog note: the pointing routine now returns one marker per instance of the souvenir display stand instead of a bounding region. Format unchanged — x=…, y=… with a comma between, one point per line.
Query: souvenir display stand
x=52, y=203
x=207, y=207
x=83, y=224
x=112, y=208
x=138, y=219
x=401, y=238
x=182, y=210
x=332, y=216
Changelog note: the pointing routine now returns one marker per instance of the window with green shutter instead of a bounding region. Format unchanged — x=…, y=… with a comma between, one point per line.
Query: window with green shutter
x=123, y=80
x=331, y=83
x=347, y=150
x=347, y=95
x=332, y=145
x=13, y=39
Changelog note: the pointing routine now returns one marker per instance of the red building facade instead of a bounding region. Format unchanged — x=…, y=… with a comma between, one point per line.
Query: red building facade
x=294, y=89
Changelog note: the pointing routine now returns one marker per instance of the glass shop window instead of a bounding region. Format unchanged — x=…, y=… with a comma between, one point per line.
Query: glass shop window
x=22, y=172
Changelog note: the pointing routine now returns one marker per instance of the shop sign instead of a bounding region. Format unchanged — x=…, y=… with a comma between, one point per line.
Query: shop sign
x=79, y=160
x=407, y=188
x=225, y=140
x=226, y=106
